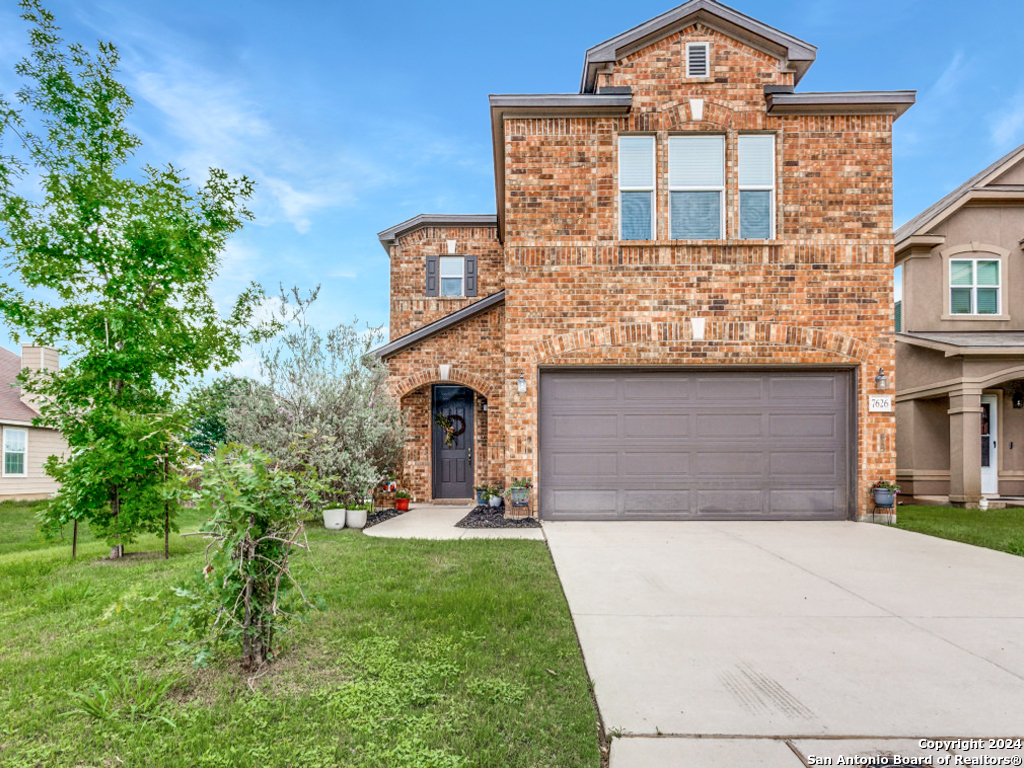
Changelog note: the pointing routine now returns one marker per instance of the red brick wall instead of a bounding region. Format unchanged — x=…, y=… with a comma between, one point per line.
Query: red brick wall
x=473, y=349
x=821, y=293
x=410, y=307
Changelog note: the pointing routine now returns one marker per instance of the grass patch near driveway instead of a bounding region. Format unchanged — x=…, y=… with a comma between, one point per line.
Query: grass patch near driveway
x=1001, y=529
x=429, y=654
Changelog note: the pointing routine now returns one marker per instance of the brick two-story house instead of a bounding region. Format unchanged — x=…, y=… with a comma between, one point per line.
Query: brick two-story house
x=680, y=307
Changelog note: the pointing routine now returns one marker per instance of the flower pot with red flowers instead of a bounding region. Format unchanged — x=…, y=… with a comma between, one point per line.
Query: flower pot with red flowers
x=402, y=501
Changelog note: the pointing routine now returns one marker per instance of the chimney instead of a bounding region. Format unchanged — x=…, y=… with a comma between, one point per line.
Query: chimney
x=38, y=359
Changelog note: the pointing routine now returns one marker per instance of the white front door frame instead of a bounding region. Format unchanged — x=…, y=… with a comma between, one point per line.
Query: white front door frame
x=990, y=474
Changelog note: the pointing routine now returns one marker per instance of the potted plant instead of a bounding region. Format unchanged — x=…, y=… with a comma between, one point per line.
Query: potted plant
x=494, y=496
x=482, y=493
x=356, y=514
x=885, y=493
x=402, y=501
x=518, y=493
x=334, y=518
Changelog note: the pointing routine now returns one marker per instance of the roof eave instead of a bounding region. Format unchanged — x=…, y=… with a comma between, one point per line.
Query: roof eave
x=893, y=103
x=436, y=327
x=388, y=237
x=542, y=105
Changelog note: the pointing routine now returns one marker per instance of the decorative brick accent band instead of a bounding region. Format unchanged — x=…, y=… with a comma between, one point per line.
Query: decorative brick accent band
x=486, y=387
x=751, y=332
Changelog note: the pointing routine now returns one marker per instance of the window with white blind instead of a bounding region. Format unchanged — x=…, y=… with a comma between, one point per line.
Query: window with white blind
x=15, y=452
x=452, y=274
x=757, y=186
x=636, y=188
x=974, y=287
x=696, y=183
x=698, y=59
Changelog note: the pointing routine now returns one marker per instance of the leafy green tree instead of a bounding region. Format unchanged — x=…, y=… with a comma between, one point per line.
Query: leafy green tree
x=118, y=266
x=207, y=406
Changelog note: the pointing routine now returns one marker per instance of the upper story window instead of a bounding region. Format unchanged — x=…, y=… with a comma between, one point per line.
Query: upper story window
x=636, y=188
x=698, y=59
x=974, y=287
x=15, y=450
x=696, y=183
x=451, y=276
x=757, y=186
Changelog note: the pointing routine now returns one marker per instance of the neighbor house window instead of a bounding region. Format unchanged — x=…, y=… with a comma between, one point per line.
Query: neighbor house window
x=636, y=187
x=696, y=183
x=15, y=450
x=453, y=271
x=974, y=286
x=757, y=187
x=698, y=59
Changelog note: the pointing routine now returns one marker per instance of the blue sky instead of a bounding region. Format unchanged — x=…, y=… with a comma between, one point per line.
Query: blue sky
x=354, y=116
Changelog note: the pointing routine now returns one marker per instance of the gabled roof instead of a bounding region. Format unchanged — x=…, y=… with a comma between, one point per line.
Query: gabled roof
x=11, y=406
x=388, y=236
x=785, y=102
x=793, y=52
x=973, y=187
x=434, y=328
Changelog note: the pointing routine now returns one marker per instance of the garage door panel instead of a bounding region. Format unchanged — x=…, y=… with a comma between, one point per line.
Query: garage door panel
x=690, y=445
x=656, y=464
x=578, y=464
x=804, y=425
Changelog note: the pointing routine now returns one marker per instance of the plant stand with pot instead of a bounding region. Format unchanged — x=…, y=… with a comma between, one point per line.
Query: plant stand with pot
x=518, y=505
x=885, y=500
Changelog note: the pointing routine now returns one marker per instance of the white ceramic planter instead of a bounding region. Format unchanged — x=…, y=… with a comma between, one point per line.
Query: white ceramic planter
x=334, y=519
x=494, y=501
x=356, y=518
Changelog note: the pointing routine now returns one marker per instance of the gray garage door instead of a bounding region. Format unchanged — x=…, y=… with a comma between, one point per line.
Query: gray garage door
x=742, y=445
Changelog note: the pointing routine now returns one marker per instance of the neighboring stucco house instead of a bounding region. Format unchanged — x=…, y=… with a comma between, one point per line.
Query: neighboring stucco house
x=960, y=352
x=682, y=303
x=25, y=448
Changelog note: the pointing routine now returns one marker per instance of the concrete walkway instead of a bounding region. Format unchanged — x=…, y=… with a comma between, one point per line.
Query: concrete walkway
x=437, y=521
x=764, y=644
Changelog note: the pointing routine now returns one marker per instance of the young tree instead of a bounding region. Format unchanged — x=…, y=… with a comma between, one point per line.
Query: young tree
x=119, y=266
x=323, y=405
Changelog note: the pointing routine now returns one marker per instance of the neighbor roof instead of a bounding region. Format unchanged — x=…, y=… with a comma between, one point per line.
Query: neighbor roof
x=438, y=326
x=936, y=213
x=968, y=342
x=388, y=236
x=798, y=54
x=11, y=406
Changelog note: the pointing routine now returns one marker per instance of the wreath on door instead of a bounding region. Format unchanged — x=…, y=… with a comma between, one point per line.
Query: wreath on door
x=452, y=424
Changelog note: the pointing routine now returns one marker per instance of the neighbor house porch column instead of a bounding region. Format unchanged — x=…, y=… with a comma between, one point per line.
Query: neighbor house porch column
x=965, y=447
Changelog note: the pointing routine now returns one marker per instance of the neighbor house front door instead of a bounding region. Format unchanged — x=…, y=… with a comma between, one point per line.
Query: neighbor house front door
x=989, y=445
x=453, y=442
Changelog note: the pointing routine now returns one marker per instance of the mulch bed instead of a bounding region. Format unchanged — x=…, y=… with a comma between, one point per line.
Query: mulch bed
x=494, y=517
x=381, y=516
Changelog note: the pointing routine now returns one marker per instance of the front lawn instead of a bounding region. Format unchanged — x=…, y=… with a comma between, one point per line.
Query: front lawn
x=429, y=654
x=1001, y=529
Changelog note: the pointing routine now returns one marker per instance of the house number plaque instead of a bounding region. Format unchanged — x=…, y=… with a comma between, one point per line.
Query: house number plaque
x=880, y=403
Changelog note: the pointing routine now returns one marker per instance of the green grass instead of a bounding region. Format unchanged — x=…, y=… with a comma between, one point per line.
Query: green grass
x=429, y=654
x=1001, y=529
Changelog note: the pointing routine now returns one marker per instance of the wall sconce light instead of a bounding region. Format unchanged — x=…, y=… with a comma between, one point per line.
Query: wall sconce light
x=522, y=384
x=881, y=381
x=1018, y=399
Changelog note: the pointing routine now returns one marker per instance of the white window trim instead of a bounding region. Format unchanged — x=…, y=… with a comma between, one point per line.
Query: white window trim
x=652, y=189
x=973, y=251
x=974, y=286
x=441, y=277
x=3, y=452
x=707, y=60
x=720, y=190
x=749, y=188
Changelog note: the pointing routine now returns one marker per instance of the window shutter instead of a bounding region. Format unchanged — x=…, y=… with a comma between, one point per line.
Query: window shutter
x=470, y=276
x=696, y=161
x=757, y=161
x=432, y=263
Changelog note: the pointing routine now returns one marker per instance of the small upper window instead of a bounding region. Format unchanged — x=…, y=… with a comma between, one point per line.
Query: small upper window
x=453, y=272
x=698, y=59
x=15, y=448
x=696, y=184
x=974, y=286
x=636, y=187
x=757, y=186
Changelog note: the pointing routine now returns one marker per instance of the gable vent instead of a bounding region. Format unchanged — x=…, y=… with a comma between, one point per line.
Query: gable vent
x=697, y=56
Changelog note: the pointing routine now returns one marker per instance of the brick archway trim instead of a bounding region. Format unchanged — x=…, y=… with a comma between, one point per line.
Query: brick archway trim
x=654, y=333
x=474, y=381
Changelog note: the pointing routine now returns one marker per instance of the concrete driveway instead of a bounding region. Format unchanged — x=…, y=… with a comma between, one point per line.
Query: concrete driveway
x=765, y=643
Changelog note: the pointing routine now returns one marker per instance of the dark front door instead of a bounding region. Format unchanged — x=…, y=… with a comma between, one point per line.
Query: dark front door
x=453, y=446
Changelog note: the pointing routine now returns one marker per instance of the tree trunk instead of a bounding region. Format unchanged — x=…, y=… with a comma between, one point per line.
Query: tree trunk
x=74, y=541
x=167, y=520
x=117, y=550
